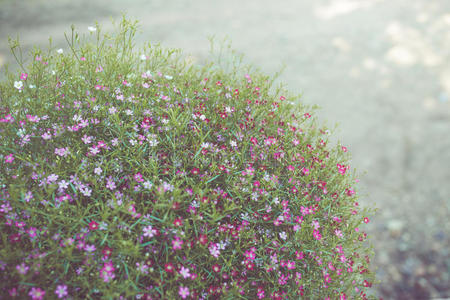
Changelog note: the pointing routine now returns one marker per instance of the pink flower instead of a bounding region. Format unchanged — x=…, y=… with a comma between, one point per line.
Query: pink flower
x=36, y=294
x=61, y=291
x=342, y=168
x=9, y=158
x=13, y=292
x=107, y=272
x=22, y=268
x=89, y=248
x=185, y=272
x=61, y=151
x=183, y=292
x=148, y=231
x=32, y=232
x=317, y=235
x=24, y=76
x=282, y=279
x=177, y=243
x=108, y=267
x=290, y=265
x=260, y=293
x=138, y=177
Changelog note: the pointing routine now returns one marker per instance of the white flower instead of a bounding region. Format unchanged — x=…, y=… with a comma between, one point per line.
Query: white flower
x=143, y=57
x=86, y=191
x=92, y=28
x=214, y=250
x=18, y=84
x=52, y=178
x=133, y=142
x=148, y=185
x=32, y=86
x=233, y=143
x=222, y=245
x=283, y=235
x=103, y=226
x=63, y=184
x=168, y=77
x=129, y=112
x=153, y=142
x=112, y=110
x=205, y=145
x=148, y=231
x=76, y=118
x=86, y=139
x=94, y=150
x=98, y=171
x=21, y=132
x=60, y=51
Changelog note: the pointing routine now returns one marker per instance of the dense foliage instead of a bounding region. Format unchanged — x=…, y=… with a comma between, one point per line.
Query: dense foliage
x=137, y=174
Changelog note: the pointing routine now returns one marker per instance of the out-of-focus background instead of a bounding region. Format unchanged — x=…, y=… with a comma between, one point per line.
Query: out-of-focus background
x=378, y=68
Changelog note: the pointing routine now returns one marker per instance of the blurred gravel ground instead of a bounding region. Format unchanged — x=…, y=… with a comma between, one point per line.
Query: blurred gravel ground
x=379, y=68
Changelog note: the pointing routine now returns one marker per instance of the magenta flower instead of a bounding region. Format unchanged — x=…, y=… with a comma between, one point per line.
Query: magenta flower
x=93, y=225
x=317, y=235
x=138, y=177
x=342, y=168
x=32, y=232
x=106, y=273
x=9, y=158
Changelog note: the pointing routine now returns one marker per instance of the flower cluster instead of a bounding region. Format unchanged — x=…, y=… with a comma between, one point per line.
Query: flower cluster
x=133, y=175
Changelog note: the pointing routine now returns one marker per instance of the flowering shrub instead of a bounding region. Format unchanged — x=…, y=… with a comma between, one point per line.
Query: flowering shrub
x=139, y=175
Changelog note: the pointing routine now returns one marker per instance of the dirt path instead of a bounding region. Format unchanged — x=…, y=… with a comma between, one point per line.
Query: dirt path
x=379, y=68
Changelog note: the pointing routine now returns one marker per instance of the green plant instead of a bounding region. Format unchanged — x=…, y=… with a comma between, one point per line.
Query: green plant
x=139, y=174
